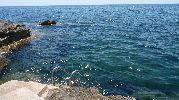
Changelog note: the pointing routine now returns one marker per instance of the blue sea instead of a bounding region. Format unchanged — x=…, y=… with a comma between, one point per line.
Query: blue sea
x=130, y=50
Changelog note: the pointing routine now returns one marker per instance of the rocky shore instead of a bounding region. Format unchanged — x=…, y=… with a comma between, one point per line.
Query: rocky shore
x=10, y=33
x=20, y=90
x=12, y=36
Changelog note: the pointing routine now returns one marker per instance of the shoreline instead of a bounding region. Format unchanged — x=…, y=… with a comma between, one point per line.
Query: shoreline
x=20, y=90
x=15, y=45
x=12, y=36
x=5, y=50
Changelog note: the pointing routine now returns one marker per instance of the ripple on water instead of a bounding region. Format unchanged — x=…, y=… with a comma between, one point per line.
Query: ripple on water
x=135, y=46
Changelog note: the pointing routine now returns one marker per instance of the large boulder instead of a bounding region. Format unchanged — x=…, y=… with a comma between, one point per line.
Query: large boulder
x=48, y=23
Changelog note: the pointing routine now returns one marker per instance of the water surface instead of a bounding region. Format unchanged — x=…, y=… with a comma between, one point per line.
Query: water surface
x=122, y=49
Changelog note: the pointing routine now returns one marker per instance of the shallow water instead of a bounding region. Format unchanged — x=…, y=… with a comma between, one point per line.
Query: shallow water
x=122, y=49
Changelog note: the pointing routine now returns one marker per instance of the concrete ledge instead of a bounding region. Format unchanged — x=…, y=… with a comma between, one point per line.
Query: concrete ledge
x=19, y=90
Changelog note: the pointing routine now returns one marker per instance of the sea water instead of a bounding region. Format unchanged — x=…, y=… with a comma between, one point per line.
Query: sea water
x=121, y=49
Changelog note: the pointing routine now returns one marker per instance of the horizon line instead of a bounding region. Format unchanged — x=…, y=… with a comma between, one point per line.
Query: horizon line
x=90, y=5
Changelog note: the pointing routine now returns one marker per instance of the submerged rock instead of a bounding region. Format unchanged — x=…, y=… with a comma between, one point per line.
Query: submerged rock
x=48, y=23
x=3, y=62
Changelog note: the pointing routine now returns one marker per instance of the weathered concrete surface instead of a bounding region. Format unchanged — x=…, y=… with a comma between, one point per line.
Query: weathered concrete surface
x=21, y=94
x=14, y=84
x=19, y=90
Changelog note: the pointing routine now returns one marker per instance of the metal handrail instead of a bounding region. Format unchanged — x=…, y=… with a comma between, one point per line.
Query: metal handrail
x=54, y=70
x=78, y=72
x=69, y=82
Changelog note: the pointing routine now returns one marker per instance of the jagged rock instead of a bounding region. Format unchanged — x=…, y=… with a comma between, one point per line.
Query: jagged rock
x=10, y=33
x=48, y=23
x=18, y=25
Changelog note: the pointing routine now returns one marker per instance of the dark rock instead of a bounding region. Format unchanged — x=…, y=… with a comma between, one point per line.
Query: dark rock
x=10, y=33
x=18, y=25
x=48, y=23
x=53, y=22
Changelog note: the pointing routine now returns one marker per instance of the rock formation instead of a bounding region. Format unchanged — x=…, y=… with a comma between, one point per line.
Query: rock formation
x=48, y=23
x=11, y=37
x=10, y=33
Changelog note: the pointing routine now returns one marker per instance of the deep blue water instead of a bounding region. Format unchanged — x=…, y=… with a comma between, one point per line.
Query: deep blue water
x=122, y=49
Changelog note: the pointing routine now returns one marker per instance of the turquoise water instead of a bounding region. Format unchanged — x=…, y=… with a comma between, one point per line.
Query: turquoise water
x=122, y=49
